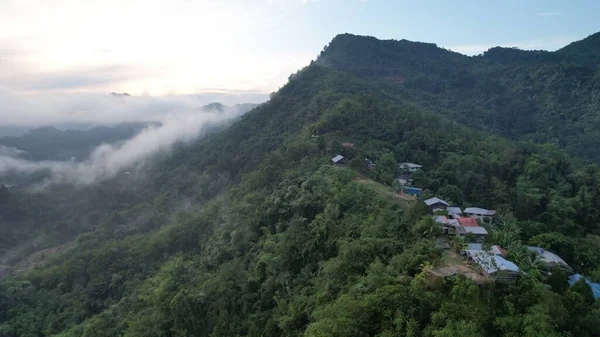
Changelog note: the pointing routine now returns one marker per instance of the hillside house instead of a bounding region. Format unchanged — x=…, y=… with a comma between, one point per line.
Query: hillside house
x=339, y=160
x=436, y=204
x=454, y=212
x=550, y=259
x=494, y=266
x=480, y=233
x=481, y=214
x=465, y=226
x=409, y=167
x=467, y=222
x=403, y=180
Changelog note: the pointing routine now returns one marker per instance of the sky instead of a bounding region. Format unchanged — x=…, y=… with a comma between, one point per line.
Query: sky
x=246, y=48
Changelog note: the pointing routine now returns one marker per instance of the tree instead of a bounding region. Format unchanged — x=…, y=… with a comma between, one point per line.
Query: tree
x=387, y=168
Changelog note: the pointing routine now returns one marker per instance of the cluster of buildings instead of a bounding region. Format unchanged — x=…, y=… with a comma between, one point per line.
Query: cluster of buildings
x=490, y=262
x=456, y=222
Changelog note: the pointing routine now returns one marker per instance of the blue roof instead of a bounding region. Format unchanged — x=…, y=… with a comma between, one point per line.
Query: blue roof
x=595, y=286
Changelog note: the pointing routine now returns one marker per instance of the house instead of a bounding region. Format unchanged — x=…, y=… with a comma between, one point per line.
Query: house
x=481, y=214
x=437, y=204
x=415, y=191
x=595, y=286
x=467, y=222
x=347, y=145
x=339, y=160
x=454, y=212
x=409, y=167
x=550, y=259
x=494, y=266
x=403, y=180
x=480, y=233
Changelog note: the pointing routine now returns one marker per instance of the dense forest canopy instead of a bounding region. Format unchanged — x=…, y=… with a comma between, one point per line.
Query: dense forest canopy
x=252, y=232
x=546, y=97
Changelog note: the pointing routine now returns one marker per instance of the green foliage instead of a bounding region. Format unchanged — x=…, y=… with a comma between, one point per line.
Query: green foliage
x=252, y=231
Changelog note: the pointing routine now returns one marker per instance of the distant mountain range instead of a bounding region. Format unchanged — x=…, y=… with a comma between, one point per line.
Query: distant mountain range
x=76, y=141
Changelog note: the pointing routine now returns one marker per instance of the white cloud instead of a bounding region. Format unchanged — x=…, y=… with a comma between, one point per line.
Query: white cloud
x=107, y=160
x=158, y=46
x=35, y=109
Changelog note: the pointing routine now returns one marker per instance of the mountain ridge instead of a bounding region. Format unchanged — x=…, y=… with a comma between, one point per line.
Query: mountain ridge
x=273, y=240
x=509, y=92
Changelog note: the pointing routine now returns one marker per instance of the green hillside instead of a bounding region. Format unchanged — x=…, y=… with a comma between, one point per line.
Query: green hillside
x=252, y=231
x=545, y=97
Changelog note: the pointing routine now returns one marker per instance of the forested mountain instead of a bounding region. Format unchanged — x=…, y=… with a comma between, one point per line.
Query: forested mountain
x=541, y=96
x=50, y=143
x=252, y=232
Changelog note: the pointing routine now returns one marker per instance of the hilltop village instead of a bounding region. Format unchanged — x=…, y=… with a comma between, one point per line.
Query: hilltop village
x=463, y=236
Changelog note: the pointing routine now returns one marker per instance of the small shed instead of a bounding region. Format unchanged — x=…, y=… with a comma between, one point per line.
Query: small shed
x=339, y=160
x=411, y=190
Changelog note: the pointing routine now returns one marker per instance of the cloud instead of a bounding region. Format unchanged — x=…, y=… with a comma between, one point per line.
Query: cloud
x=108, y=160
x=10, y=151
x=74, y=78
x=37, y=109
x=548, y=13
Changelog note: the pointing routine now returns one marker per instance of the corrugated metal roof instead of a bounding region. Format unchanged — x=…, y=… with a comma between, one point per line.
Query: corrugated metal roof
x=548, y=257
x=454, y=210
x=479, y=211
x=440, y=219
x=433, y=201
x=337, y=158
x=467, y=222
x=476, y=230
x=492, y=263
x=497, y=250
x=410, y=165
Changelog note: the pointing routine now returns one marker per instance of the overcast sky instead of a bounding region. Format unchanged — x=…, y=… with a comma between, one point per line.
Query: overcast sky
x=245, y=46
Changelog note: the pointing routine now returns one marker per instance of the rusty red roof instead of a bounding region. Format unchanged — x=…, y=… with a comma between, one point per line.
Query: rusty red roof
x=467, y=222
